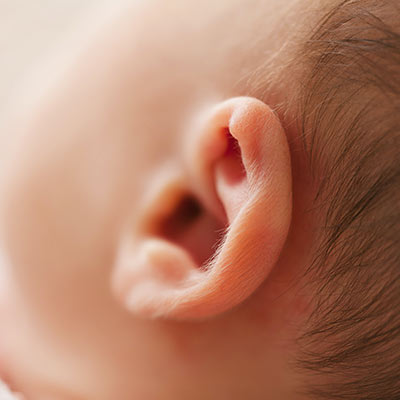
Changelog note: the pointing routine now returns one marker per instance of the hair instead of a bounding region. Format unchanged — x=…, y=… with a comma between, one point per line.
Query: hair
x=350, y=122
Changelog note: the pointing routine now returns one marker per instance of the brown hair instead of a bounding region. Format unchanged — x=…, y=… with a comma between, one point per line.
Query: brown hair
x=350, y=121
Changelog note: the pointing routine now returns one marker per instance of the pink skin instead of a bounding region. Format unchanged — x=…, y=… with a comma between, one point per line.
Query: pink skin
x=89, y=161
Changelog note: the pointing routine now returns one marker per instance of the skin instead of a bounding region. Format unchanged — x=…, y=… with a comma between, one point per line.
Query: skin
x=79, y=165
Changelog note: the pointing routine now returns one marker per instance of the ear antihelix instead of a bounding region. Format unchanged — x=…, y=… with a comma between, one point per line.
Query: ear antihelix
x=230, y=178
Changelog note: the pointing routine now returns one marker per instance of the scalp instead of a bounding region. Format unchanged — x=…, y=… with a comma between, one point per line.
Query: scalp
x=350, y=121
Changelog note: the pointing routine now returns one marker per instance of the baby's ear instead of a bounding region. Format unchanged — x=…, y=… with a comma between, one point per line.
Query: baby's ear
x=208, y=245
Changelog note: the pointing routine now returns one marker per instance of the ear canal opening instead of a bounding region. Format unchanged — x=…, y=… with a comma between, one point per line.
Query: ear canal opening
x=193, y=228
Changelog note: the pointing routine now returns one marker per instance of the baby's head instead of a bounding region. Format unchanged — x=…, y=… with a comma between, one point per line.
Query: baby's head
x=204, y=204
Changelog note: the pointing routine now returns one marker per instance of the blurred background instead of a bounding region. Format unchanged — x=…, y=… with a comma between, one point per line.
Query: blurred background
x=30, y=30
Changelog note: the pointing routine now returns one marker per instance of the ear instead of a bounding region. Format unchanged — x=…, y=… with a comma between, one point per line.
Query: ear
x=209, y=241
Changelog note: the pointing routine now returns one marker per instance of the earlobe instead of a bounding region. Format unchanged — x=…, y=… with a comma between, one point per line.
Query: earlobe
x=232, y=232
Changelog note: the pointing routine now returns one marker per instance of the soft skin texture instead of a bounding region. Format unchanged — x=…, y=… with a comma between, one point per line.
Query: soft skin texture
x=103, y=297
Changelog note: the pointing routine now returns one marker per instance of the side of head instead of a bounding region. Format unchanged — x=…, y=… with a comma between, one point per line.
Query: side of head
x=217, y=231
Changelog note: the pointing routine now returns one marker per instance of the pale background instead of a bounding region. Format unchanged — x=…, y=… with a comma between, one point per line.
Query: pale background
x=30, y=30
